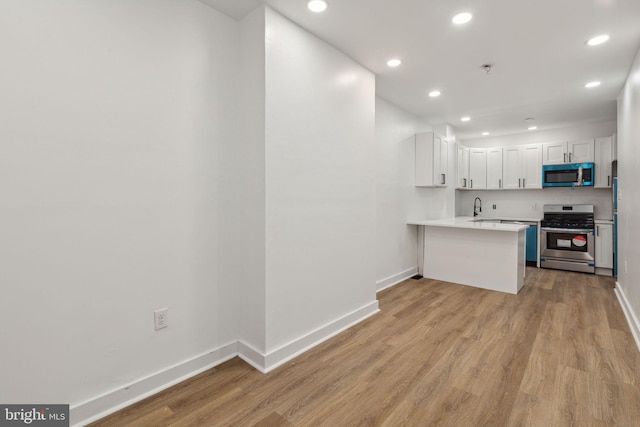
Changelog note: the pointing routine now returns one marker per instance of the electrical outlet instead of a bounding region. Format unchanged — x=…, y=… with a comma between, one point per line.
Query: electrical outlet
x=161, y=319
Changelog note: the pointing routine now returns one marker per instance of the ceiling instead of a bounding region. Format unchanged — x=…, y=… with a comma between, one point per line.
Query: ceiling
x=540, y=62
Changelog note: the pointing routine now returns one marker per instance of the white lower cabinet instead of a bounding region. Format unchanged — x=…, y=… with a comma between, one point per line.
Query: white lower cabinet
x=604, y=246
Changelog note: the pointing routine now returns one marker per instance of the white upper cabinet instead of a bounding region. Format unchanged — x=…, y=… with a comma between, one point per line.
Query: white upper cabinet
x=557, y=153
x=478, y=168
x=494, y=168
x=604, y=157
x=581, y=151
x=441, y=162
x=532, y=166
x=432, y=157
x=463, y=167
x=522, y=166
x=554, y=153
x=512, y=167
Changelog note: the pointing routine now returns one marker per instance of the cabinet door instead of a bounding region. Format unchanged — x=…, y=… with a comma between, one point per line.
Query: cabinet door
x=604, y=157
x=424, y=159
x=604, y=245
x=463, y=167
x=441, y=177
x=554, y=153
x=511, y=170
x=478, y=168
x=581, y=151
x=532, y=166
x=494, y=168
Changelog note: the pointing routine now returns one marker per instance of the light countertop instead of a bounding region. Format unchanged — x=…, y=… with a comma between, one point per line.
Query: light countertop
x=469, y=222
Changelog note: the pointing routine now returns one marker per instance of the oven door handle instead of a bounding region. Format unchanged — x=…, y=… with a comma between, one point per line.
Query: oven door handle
x=568, y=230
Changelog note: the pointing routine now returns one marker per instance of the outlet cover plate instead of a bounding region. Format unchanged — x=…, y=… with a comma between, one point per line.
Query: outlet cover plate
x=161, y=318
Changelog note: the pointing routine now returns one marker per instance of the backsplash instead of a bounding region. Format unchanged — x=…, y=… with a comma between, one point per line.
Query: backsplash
x=529, y=203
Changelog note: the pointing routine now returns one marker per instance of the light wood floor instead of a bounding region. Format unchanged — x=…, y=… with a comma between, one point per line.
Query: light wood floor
x=558, y=354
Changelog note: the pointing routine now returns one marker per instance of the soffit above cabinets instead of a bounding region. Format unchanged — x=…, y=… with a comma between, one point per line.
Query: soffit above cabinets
x=537, y=52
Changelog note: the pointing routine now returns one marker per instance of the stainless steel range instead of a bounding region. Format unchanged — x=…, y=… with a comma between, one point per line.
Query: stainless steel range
x=567, y=238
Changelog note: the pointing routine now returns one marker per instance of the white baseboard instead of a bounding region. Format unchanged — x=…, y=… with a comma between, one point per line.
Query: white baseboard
x=296, y=347
x=395, y=279
x=632, y=319
x=252, y=356
x=99, y=407
x=288, y=351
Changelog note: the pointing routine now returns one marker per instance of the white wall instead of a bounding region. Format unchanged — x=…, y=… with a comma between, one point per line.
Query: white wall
x=250, y=275
x=397, y=197
x=320, y=184
x=529, y=203
x=628, y=180
x=113, y=115
x=571, y=133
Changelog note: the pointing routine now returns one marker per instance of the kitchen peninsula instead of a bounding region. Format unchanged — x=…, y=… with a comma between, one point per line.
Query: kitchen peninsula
x=481, y=253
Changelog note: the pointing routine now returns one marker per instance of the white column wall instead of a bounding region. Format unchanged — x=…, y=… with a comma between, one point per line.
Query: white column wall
x=320, y=183
x=397, y=197
x=250, y=200
x=629, y=204
x=113, y=113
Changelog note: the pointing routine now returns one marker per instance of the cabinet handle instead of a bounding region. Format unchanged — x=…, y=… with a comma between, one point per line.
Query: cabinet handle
x=597, y=230
x=609, y=181
x=444, y=178
x=464, y=182
x=519, y=179
x=500, y=183
x=524, y=182
x=471, y=184
x=569, y=157
x=565, y=157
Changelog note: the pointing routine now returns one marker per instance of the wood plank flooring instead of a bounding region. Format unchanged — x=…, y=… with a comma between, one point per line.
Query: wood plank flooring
x=558, y=354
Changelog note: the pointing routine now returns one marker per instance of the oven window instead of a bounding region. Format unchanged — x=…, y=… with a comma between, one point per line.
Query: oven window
x=574, y=242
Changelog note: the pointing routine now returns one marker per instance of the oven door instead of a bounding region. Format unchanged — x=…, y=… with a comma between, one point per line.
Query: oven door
x=567, y=243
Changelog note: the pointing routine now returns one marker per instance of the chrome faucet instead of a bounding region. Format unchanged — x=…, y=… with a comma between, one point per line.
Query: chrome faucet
x=477, y=209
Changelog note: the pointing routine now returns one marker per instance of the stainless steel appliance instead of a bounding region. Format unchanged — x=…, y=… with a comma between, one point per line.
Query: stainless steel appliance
x=571, y=175
x=567, y=238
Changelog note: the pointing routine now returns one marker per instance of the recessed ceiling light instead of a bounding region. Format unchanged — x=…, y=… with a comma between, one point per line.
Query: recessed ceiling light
x=462, y=18
x=595, y=41
x=394, y=62
x=317, y=6
x=465, y=119
x=592, y=84
x=486, y=133
x=532, y=127
x=434, y=93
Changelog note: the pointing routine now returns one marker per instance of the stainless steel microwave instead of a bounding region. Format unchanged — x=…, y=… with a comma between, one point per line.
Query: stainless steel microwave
x=570, y=175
